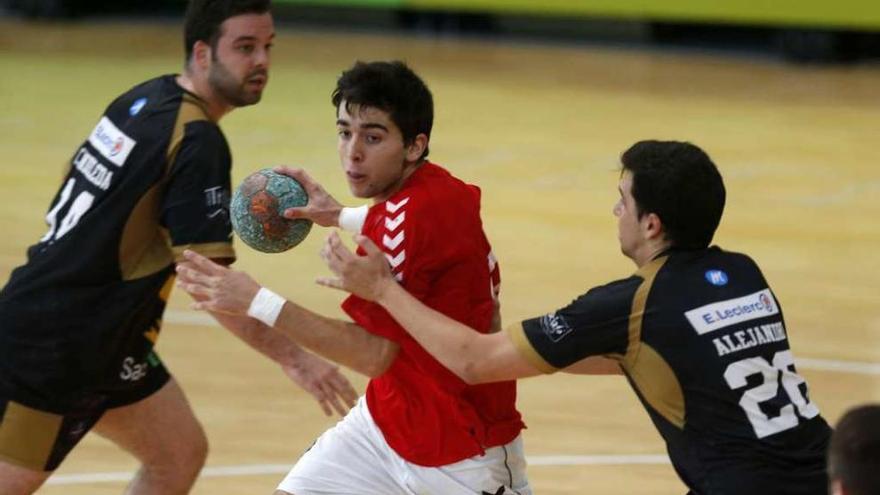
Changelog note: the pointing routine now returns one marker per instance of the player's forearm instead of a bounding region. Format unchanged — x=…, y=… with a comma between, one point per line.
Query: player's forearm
x=458, y=347
x=343, y=342
x=260, y=337
x=266, y=340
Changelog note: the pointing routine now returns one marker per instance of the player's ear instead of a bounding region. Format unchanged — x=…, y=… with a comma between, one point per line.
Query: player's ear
x=201, y=56
x=652, y=226
x=415, y=149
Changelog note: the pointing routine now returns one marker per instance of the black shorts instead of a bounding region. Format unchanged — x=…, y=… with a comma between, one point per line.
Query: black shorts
x=52, y=392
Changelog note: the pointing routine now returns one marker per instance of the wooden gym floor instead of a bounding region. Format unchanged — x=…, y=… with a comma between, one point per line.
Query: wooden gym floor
x=540, y=128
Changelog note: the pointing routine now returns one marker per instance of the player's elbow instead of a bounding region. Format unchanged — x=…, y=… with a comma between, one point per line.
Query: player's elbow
x=473, y=371
x=469, y=373
x=374, y=369
x=472, y=362
x=381, y=360
x=485, y=359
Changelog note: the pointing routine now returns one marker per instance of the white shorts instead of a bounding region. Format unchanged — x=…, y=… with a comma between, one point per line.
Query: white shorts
x=352, y=458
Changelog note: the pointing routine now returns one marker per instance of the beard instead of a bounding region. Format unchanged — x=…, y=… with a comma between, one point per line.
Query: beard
x=231, y=89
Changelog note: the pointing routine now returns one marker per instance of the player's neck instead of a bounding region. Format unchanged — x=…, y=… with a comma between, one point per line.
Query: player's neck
x=215, y=106
x=391, y=190
x=649, y=251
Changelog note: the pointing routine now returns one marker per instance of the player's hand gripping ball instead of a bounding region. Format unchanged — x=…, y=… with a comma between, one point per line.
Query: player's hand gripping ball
x=257, y=208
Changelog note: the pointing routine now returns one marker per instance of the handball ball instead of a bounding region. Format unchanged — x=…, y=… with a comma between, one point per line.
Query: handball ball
x=257, y=208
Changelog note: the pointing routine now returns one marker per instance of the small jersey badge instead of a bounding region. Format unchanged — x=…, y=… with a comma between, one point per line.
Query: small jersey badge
x=137, y=106
x=555, y=326
x=716, y=277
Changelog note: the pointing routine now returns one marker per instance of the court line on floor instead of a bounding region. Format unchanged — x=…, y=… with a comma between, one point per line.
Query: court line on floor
x=857, y=367
x=834, y=365
x=280, y=469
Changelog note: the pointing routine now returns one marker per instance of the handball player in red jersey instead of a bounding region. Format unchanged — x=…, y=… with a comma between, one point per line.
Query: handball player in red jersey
x=419, y=428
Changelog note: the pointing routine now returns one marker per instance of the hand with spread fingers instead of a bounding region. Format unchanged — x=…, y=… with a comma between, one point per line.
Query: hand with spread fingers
x=224, y=292
x=322, y=208
x=323, y=381
x=215, y=287
x=365, y=276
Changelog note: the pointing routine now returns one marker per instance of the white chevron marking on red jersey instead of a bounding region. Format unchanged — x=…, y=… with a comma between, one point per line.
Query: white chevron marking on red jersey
x=393, y=207
x=391, y=224
x=396, y=260
x=392, y=242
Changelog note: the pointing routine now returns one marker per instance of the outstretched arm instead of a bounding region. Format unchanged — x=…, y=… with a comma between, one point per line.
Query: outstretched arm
x=474, y=357
x=229, y=292
x=316, y=376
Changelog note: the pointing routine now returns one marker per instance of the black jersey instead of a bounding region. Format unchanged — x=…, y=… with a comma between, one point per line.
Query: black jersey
x=152, y=179
x=702, y=340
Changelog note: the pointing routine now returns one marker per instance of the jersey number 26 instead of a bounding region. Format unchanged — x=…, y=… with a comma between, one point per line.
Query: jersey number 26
x=783, y=362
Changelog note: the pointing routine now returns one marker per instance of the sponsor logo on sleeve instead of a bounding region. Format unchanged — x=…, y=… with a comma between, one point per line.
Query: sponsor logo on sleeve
x=217, y=202
x=137, y=106
x=555, y=326
x=716, y=277
x=110, y=142
x=722, y=314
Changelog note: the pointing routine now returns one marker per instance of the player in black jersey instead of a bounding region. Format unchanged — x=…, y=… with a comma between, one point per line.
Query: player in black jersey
x=79, y=320
x=696, y=330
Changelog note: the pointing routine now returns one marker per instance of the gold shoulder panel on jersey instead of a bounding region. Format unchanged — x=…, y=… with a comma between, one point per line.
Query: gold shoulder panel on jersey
x=649, y=372
x=657, y=384
x=191, y=110
x=517, y=335
x=144, y=248
x=637, y=313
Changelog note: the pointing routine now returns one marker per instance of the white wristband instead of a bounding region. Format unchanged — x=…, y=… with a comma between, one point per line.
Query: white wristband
x=352, y=219
x=266, y=306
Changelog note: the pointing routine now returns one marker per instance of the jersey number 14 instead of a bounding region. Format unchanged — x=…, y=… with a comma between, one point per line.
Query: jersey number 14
x=80, y=206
